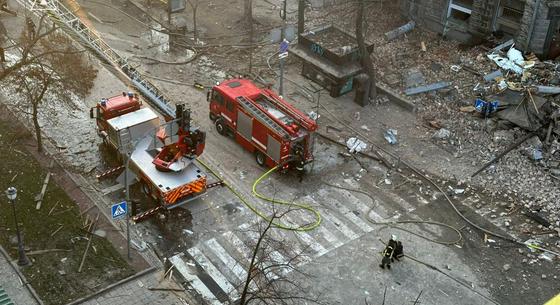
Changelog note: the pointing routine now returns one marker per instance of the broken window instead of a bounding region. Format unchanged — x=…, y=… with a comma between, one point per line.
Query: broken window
x=508, y=16
x=459, y=10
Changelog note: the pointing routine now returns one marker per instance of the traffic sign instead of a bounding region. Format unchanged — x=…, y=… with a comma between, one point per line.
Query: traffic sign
x=284, y=46
x=283, y=55
x=119, y=210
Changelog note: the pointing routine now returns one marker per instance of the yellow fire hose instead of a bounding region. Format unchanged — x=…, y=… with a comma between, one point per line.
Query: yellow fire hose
x=307, y=227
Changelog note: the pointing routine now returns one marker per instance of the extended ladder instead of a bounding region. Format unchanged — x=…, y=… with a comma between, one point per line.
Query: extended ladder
x=261, y=116
x=62, y=15
x=305, y=121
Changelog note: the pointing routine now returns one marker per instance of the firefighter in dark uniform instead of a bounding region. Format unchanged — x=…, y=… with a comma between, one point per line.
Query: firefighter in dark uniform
x=399, y=251
x=388, y=253
x=300, y=163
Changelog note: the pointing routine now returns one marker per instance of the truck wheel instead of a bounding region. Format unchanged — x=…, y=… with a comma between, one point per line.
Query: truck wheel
x=213, y=117
x=260, y=158
x=220, y=127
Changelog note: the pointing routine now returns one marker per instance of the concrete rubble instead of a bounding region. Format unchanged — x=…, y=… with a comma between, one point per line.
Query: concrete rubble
x=529, y=174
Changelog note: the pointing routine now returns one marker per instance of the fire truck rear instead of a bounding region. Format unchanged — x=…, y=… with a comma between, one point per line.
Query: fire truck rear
x=161, y=156
x=262, y=122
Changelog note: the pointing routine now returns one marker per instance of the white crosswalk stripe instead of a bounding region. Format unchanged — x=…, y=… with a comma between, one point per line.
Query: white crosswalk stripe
x=193, y=280
x=228, y=261
x=294, y=245
x=339, y=225
x=276, y=257
x=243, y=249
x=323, y=232
x=239, y=245
x=365, y=209
x=341, y=206
x=308, y=240
x=216, y=275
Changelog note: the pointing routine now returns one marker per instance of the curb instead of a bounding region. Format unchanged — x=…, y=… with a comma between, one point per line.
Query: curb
x=114, y=285
x=22, y=277
x=396, y=98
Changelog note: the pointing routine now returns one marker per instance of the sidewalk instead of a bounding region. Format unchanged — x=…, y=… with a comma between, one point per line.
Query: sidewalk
x=136, y=292
x=10, y=281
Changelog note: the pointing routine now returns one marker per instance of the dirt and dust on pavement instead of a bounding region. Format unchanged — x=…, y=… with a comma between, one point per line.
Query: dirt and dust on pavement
x=511, y=274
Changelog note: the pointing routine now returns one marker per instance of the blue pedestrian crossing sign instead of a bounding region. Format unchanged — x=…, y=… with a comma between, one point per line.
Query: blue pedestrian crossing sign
x=118, y=210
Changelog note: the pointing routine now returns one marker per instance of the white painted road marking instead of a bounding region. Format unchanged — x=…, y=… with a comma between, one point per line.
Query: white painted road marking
x=228, y=261
x=193, y=280
x=216, y=275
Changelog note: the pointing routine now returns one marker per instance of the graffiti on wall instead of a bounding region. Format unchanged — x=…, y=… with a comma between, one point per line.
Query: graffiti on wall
x=317, y=49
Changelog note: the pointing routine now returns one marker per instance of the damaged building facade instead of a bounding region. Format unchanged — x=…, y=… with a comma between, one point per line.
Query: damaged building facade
x=534, y=24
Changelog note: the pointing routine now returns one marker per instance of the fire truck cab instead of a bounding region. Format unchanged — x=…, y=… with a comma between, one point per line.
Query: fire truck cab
x=262, y=122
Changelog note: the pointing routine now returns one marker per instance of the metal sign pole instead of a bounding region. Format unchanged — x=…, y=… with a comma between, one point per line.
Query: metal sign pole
x=127, y=198
x=283, y=53
x=281, y=86
x=282, y=39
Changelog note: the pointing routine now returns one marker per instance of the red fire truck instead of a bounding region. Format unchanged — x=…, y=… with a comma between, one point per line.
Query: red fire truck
x=262, y=122
x=161, y=156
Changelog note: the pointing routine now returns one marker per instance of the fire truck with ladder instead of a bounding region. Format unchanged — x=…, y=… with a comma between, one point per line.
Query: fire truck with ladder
x=262, y=122
x=160, y=155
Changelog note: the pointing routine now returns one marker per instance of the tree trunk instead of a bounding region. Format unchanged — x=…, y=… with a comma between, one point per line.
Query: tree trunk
x=195, y=29
x=250, y=45
x=37, y=127
x=252, y=265
x=248, y=10
x=367, y=63
x=301, y=17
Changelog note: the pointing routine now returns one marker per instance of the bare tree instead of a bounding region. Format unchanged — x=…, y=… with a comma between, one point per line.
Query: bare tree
x=27, y=44
x=268, y=280
x=59, y=74
x=194, y=6
x=301, y=16
x=249, y=18
x=367, y=63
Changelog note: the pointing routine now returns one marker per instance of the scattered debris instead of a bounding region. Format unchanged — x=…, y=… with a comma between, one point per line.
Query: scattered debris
x=56, y=231
x=393, y=34
x=141, y=247
x=502, y=46
x=91, y=228
x=467, y=109
x=39, y=197
x=455, y=68
x=441, y=134
x=548, y=90
x=355, y=145
x=391, y=136
x=493, y=76
x=313, y=115
x=54, y=207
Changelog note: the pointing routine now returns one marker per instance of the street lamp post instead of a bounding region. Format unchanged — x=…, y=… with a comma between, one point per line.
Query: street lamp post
x=22, y=260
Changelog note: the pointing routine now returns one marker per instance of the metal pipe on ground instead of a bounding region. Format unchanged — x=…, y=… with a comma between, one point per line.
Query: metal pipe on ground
x=510, y=148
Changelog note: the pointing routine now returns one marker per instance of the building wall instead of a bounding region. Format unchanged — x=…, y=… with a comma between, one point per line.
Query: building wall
x=480, y=23
x=432, y=14
x=426, y=13
x=540, y=28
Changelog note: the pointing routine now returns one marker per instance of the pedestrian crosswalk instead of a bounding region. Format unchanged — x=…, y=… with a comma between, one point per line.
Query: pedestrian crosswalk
x=216, y=269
